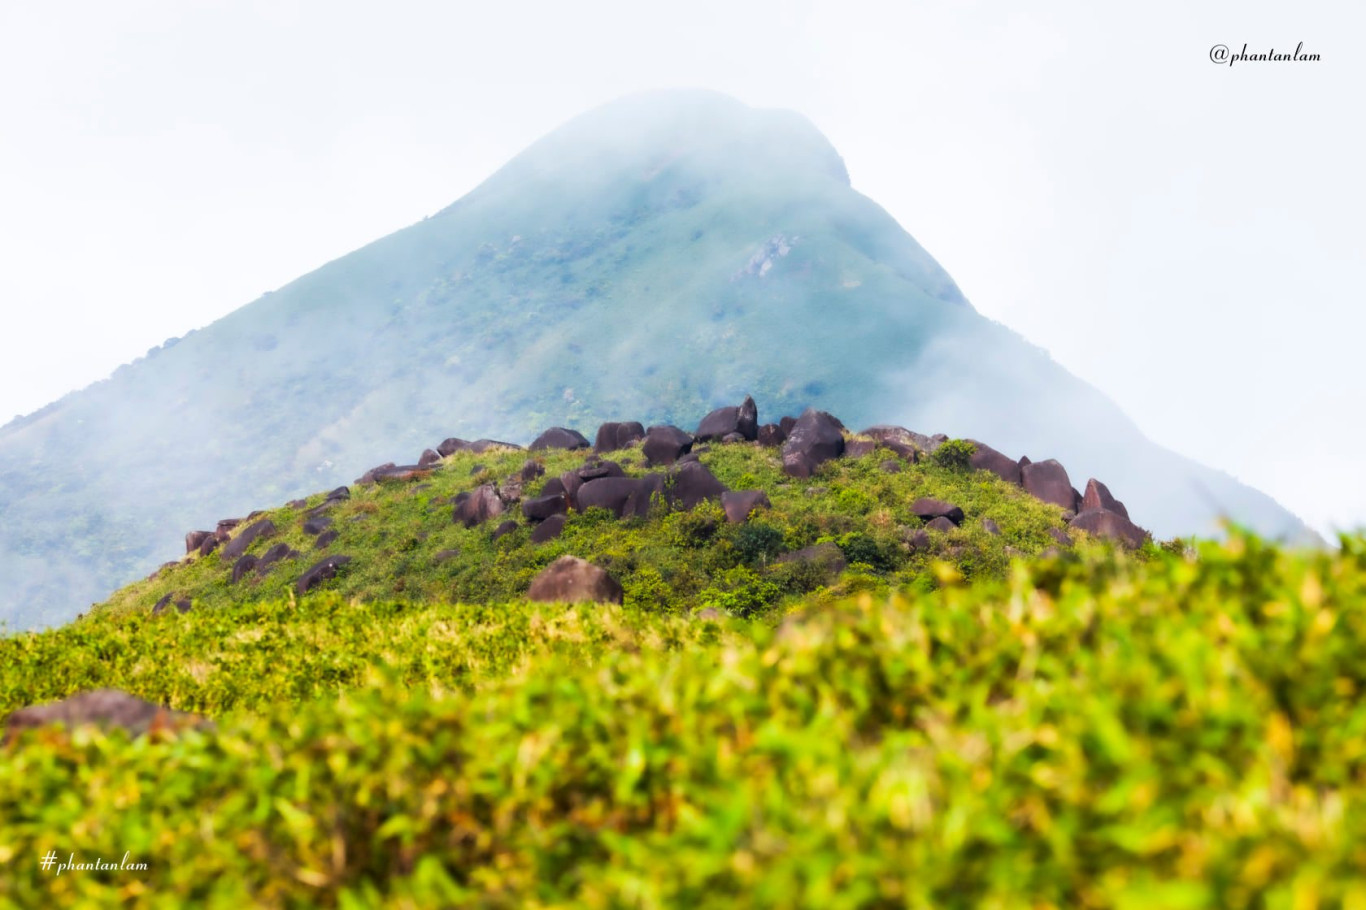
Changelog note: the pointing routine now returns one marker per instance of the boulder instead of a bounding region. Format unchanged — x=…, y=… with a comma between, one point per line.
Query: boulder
x=786, y=424
x=740, y=503
x=722, y=422
x=1097, y=497
x=665, y=444
x=369, y=476
x=560, y=438
x=428, y=458
x=273, y=555
x=195, y=539
x=815, y=438
x=505, y=528
x=246, y=537
x=797, y=465
x=450, y=446
x=693, y=484
x=104, y=708
x=857, y=448
x=733, y=438
x=890, y=466
x=1060, y=536
x=209, y=545
x=1111, y=525
x=165, y=603
x=573, y=580
x=624, y=497
x=991, y=527
x=443, y=555
x=319, y=573
x=531, y=470
x=941, y=524
x=549, y=529
x=317, y=524
x=599, y=469
x=477, y=506
x=242, y=567
x=480, y=446
x=571, y=482
x=325, y=539
x=226, y=526
x=826, y=555
x=919, y=539
x=985, y=458
x=770, y=436
x=542, y=507
x=612, y=436
x=906, y=443
x=927, y=509
x=339, y=494
x=401, y=473
x=1047, y=480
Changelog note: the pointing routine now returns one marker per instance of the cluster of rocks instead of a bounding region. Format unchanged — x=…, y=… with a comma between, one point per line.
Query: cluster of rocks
x=682, y=481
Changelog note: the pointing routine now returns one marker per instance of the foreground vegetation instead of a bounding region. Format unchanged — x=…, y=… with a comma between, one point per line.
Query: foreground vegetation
x=1093, y=730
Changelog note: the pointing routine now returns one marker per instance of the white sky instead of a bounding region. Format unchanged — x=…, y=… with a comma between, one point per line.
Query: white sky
x=1187, y=237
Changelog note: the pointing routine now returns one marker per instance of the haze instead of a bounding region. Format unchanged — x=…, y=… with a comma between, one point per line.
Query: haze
x=1184, y=236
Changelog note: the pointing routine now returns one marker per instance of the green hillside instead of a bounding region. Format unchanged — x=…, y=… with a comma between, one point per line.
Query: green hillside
x=1093, y=729
x=649, y=260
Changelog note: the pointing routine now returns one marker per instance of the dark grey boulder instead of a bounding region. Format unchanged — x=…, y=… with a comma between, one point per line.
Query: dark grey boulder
x=906, y=443
x=890, y=466
x=665, y=444
x=542, y=507
x=940, y=524
x=106, y=709
x=1047, y=481
x=209, y=545
x=1097, y=496
x=624, y=497
x=531, y=470
x=816, y=438
x=1110, y=525
x=325, y=539
x=477, y=506
x=340, y=493
x=612, y=436
x=226, y=526
x=428, y=458
x=504, y=529
x=560, y=438
x=991, y=527
x=770, y=436
x=1060, y=536
x=571, y=482
x=242, y=567
x=985, y=458
x=692, y=484
x=918, y=540
x=480, y=446
x=740, y=503
x=195, y=539
x=369, y=476
x=275, y=554
x=401, y=473
x=246, y=537
x=599, y=469
x=319, y=573
x=450, y=446
x=786, y=424
x=573, y=580
x=927, y=509
x=549, y=529
x=857, y=448
x=166, y=602
x=317, y=524
x=826, y=556
x=722, y=422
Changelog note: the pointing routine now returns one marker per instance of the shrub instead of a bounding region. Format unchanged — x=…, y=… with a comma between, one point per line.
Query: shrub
x=953, y=454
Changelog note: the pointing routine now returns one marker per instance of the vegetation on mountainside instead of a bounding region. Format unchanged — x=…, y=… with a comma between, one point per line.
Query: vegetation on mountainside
x=672, y=560
x=1095, y=730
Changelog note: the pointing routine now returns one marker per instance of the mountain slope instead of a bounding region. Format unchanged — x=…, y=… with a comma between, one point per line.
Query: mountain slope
x=647, y=261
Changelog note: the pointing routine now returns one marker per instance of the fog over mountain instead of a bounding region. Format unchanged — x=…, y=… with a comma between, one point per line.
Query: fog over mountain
x=649, y=260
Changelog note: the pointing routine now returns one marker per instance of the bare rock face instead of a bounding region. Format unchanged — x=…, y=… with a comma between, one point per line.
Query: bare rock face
x=105, y=708
x=560, y=438
x=616, y=435
x=665, y=445
x=740, y=503
x=1097, y=497
x=815, y=438
x=1111, y=525
x=985, y=458
x=928, y=509
x=1047, y=480
x=572, y=580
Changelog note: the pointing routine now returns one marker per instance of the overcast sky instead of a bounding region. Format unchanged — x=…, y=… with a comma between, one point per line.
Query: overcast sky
x=1186, y=236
